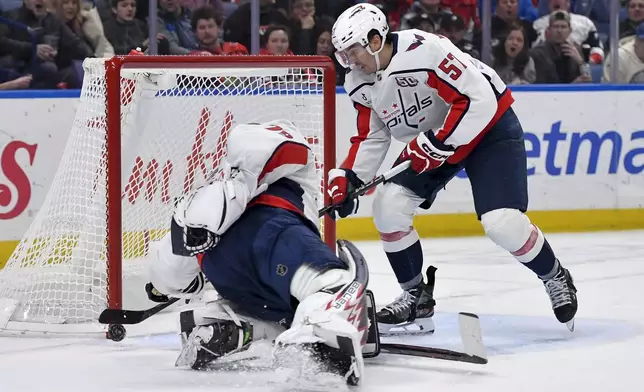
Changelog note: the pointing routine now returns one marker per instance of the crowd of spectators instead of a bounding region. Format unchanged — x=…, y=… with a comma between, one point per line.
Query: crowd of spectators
x=43, y=42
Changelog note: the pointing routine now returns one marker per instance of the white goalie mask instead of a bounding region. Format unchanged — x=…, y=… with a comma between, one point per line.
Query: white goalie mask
x=351, y=32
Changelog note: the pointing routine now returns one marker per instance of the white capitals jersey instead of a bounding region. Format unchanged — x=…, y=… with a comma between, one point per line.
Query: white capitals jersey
x=278, y=155
x=429, y=85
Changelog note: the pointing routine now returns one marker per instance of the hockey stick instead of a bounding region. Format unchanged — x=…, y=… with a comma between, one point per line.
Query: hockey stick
x=471, y=336
x=394, y=171
x=122, y=316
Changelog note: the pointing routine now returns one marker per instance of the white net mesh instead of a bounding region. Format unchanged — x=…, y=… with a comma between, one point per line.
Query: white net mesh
x=174, y=124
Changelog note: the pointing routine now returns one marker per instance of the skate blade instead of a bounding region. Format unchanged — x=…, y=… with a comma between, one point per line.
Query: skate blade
x=417, y=327
x=188, y=355
x=571, y=325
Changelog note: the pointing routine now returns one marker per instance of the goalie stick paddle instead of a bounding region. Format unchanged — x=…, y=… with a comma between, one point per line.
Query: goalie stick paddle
x=394, y=171
x=122, y=316
x=471, y=336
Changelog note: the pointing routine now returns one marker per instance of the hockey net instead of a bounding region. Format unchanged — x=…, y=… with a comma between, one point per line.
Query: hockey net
x=147, y=130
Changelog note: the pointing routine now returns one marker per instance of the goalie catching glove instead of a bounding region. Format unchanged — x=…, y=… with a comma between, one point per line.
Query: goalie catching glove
x=425, y=152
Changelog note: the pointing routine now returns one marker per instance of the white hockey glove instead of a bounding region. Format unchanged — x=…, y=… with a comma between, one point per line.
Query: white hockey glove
x=195, y=287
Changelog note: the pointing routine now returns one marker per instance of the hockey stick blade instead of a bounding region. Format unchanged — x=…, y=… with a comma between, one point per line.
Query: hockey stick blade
x=372, y=184
x=430, y=352
x=122, y=316
x=471, y=337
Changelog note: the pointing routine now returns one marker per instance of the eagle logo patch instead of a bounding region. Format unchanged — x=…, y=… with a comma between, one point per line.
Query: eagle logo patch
x=417, y=42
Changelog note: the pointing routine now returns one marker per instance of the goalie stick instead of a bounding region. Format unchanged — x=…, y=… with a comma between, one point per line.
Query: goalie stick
x=394, y=171
x=123, y=316
x=471, y=337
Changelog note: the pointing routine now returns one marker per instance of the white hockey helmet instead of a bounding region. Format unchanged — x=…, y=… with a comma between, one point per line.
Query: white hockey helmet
x=353, y=26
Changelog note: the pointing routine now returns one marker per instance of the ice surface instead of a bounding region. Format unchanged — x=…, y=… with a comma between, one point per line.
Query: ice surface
x=528, y=349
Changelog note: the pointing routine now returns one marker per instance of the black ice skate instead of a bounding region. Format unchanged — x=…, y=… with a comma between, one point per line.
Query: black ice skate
x=411, y=312
x=205, y=344
x=339, y=361
x=563, y=297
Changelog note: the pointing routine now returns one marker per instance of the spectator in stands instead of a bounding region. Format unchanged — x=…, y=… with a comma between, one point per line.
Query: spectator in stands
x=174, y=24
x=466, y=10
x=394, y=11
x=527, y=9
x=506, y=15
x=323, y=44
x=85, y=23
x=431, y=8
x=302, y=26
x=583, y=30
x=599, y=12
x=324, y=47
x=227, y=8
x=192, y=5
x=237, y=26
x=423, y=22
x=124, y=31
x=11, y=80
x=635, y=16
x=206, y=25
x=332, y=8
x=56, y=46
x=557, y=60
x=275, y=41
x=511, y=59
x=453, y=27
x=631, y=59
x=104, y=9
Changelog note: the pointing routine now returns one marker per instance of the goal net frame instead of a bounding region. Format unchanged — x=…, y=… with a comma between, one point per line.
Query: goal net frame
x=115, y=69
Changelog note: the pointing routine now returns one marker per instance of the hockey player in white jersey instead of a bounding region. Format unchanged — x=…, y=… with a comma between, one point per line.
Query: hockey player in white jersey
x=253, y=233
x=454, y=113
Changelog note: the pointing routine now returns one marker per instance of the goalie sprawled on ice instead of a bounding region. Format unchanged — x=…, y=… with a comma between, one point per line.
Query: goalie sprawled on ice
x=254, y=234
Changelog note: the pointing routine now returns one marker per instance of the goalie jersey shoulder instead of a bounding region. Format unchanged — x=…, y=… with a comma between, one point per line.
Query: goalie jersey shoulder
x=254, y=146
x=281, y=163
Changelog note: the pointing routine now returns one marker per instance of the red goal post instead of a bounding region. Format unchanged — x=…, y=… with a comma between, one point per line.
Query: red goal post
x=113, y=97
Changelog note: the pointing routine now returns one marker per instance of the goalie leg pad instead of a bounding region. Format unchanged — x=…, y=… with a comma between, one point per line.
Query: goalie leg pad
x=371, y=348
x=333, y=312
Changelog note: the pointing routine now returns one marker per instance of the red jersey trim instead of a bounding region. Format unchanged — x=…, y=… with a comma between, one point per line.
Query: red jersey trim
x=275, y=201
x=363, y=122
x=287, y=153
x=504, y=103
x=460, y=104
x=200, y=259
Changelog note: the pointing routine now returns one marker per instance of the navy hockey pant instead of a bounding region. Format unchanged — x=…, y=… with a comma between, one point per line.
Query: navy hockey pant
x=254, y=262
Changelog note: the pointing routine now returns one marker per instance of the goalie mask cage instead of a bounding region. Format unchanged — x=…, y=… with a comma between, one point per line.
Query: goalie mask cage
x=147, y=130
